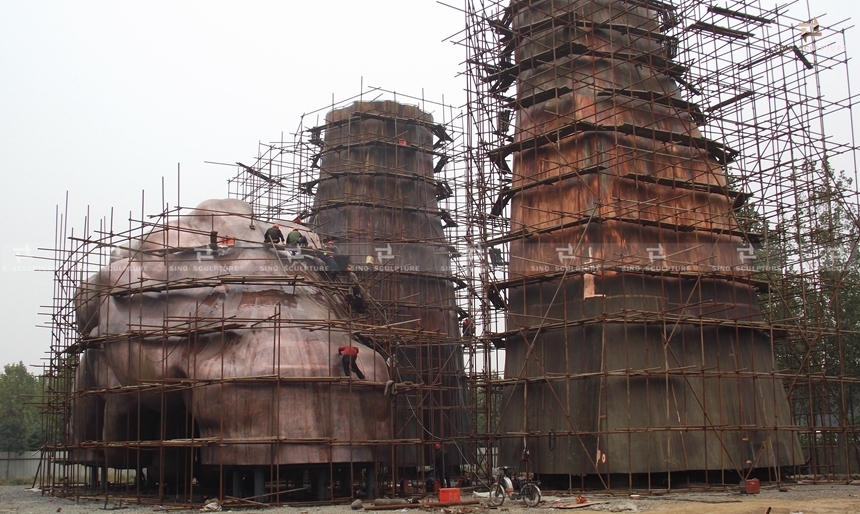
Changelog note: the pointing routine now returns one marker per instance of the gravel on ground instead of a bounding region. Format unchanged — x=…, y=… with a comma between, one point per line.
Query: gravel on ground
x=794, y=499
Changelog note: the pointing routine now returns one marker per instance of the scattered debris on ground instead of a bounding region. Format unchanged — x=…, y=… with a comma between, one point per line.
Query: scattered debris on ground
x=796, y=499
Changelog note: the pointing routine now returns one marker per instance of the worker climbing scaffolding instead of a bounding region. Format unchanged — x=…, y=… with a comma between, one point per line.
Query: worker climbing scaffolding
x=327, y=257
x=355, y=286
x=350, y=353
x=468, y=327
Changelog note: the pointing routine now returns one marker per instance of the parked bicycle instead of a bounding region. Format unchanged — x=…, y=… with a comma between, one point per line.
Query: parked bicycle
x=515, y=487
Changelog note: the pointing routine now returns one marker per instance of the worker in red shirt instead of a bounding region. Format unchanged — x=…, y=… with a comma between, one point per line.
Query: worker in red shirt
x=468, y=327
x=349, y=354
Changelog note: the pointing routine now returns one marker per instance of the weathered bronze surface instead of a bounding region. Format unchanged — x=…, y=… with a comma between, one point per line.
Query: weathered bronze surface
x=241, y=359
x=651, y=347
x=376, y=197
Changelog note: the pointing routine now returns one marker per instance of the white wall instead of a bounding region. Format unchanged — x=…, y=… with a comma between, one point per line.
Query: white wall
x=19, y=465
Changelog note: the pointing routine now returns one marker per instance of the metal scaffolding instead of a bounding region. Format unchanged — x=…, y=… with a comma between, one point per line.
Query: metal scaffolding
x=662, y=237
x=641, y=211
x=193, y=359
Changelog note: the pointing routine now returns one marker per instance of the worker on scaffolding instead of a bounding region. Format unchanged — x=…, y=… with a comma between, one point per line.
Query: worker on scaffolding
x=274, y=235
x=439, y=465
x=350, y=353
x=330, y=265
x=327, y=257
x=355, y=287
x=296, y=238
x=468, y=327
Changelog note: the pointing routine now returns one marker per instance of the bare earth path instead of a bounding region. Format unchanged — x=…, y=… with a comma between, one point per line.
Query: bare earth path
x=806, y=499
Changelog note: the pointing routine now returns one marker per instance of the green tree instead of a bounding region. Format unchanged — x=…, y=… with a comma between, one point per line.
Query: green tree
x=484, y=403
x=817, y=294
x=20, y=427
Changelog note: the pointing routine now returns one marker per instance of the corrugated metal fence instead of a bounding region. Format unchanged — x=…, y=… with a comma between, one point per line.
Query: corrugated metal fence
x=19, y=465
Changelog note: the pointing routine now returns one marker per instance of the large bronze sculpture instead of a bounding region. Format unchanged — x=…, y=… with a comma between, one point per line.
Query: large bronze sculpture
x=378, y=197
x=206, y=351
x=228, y=352
x=639, y=346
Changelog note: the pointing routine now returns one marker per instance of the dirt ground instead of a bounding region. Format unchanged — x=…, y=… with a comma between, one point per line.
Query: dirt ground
x=805, y=499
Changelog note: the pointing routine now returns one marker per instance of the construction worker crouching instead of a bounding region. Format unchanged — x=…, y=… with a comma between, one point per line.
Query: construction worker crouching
x=327, y=258
x=274, y=235
x=296, y=238
x=330, y=266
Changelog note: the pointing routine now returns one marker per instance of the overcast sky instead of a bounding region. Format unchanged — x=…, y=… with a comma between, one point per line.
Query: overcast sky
x=101, y=100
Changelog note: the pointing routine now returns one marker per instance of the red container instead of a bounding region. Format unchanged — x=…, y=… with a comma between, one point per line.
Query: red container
x=752, y=486
x=449, y=494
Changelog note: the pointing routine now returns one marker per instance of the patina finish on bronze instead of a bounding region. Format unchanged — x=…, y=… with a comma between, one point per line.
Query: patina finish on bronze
x=377, y=198
x=244, y=340
x=639, y=231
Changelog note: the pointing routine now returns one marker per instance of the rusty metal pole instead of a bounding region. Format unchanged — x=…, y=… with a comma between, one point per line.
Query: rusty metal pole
x=376, y=199
x=608, y=161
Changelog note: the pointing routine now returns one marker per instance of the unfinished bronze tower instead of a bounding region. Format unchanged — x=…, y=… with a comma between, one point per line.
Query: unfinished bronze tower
x=634, y=333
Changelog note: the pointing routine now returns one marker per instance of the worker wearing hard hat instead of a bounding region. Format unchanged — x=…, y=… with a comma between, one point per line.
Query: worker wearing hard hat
x=439, y=465
x=274, y=235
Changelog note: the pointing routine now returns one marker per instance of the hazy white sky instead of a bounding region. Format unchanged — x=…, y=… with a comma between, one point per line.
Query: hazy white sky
x=103, y=99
